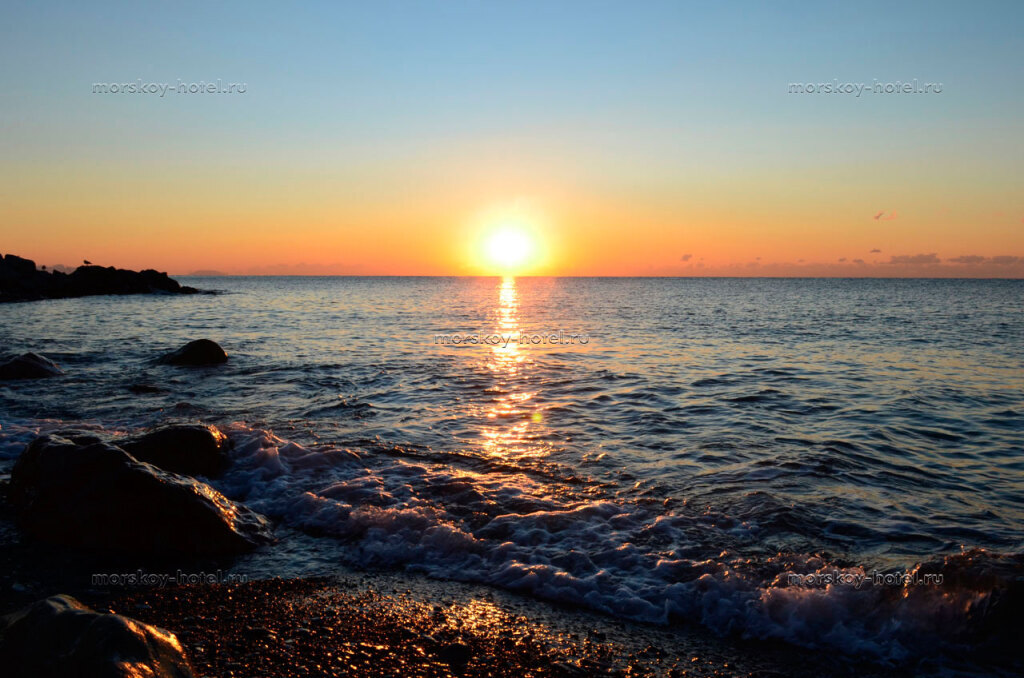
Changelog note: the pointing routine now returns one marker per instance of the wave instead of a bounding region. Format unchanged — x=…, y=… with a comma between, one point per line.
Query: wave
x=651, y=562
x=629, y=559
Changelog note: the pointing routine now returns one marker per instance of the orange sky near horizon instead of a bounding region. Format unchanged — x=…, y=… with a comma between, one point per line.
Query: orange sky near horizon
x=241, y=225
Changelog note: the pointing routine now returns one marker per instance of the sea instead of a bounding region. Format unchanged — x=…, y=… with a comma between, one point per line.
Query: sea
x=834, y=464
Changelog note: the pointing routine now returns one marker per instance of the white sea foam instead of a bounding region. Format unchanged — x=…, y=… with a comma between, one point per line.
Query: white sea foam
x=460, y=525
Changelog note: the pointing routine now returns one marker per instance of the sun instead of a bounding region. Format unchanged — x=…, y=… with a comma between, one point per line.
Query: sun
x=509, y=248
x=508, y=239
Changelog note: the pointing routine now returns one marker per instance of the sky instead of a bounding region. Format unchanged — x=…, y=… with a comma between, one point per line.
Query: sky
x=395, y=138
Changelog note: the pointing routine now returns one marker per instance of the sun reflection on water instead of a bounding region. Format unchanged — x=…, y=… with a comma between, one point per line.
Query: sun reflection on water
x=514, y=428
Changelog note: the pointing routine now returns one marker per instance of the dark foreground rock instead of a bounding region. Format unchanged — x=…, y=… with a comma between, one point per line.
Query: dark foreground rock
x=29, y=366
x=60, y=638
x=198, y=352
x=98, y=496
x=20, y=281
x=191, y=449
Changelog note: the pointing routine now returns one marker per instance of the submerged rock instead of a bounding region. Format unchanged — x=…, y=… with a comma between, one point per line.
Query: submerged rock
x=29, y=366
x=189, y=449
x=60, y=637
x=99, y=496
x=198, y=352
x=145, y=389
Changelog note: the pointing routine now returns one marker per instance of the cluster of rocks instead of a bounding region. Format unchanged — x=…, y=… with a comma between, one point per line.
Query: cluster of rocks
x=76, y=489
x=21, y=280
x=34, y=366
x=135, y=495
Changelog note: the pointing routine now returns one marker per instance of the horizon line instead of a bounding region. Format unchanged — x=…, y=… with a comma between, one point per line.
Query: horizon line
x=500, y=275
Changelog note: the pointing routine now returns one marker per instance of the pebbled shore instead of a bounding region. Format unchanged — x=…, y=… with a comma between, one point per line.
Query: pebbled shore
x=393, y=624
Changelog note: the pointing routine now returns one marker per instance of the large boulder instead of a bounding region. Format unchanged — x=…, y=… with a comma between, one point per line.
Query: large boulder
x=29, y=366
x=17, y=266
x=60, y=637
x=99, y=496
x=198, y=352
x=190, y=449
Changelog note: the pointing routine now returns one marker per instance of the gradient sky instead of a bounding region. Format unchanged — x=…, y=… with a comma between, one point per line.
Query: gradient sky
x=653, y=138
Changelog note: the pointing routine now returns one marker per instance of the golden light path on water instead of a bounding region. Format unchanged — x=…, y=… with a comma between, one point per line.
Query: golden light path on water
x=515, y=424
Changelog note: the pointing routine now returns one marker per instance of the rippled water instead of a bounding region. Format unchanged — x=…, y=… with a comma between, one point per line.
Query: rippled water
x=716, y=428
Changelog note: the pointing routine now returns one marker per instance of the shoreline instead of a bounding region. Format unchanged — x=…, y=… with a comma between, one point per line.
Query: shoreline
x=399, y=624
x=384, y=622
x=283, y=599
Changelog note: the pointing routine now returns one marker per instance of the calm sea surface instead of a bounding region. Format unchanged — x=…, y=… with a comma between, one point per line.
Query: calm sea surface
x=708, y=436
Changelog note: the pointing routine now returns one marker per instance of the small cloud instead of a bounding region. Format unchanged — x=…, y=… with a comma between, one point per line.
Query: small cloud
x=1005, y=259
x=882, y=216
x=799, y=261
x=686, y=257
x=914, y=259
x=858, y=261
x=842, y=260
x=875, y=251
x=967, y=259
x=757, y=258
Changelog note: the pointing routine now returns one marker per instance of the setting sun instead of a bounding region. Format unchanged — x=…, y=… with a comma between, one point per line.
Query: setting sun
x=509, y=239
x=508, y=248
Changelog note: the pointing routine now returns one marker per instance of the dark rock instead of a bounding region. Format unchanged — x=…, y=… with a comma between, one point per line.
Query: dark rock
x=191, y=450
x=60, y=638
x=18, y=265
x=79, y=436
x=29, y=366
x=198, y=352
x=99, y=496
x=20, y=281
x=455, y=654
x=90, y=280
x=145, y=389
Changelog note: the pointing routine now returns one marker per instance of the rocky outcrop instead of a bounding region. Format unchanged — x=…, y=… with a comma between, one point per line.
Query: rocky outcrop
x=29, y=366
x=98, y=496
x=21, y=281
x=60, y=637
x=195, y=353
x=192, y=450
